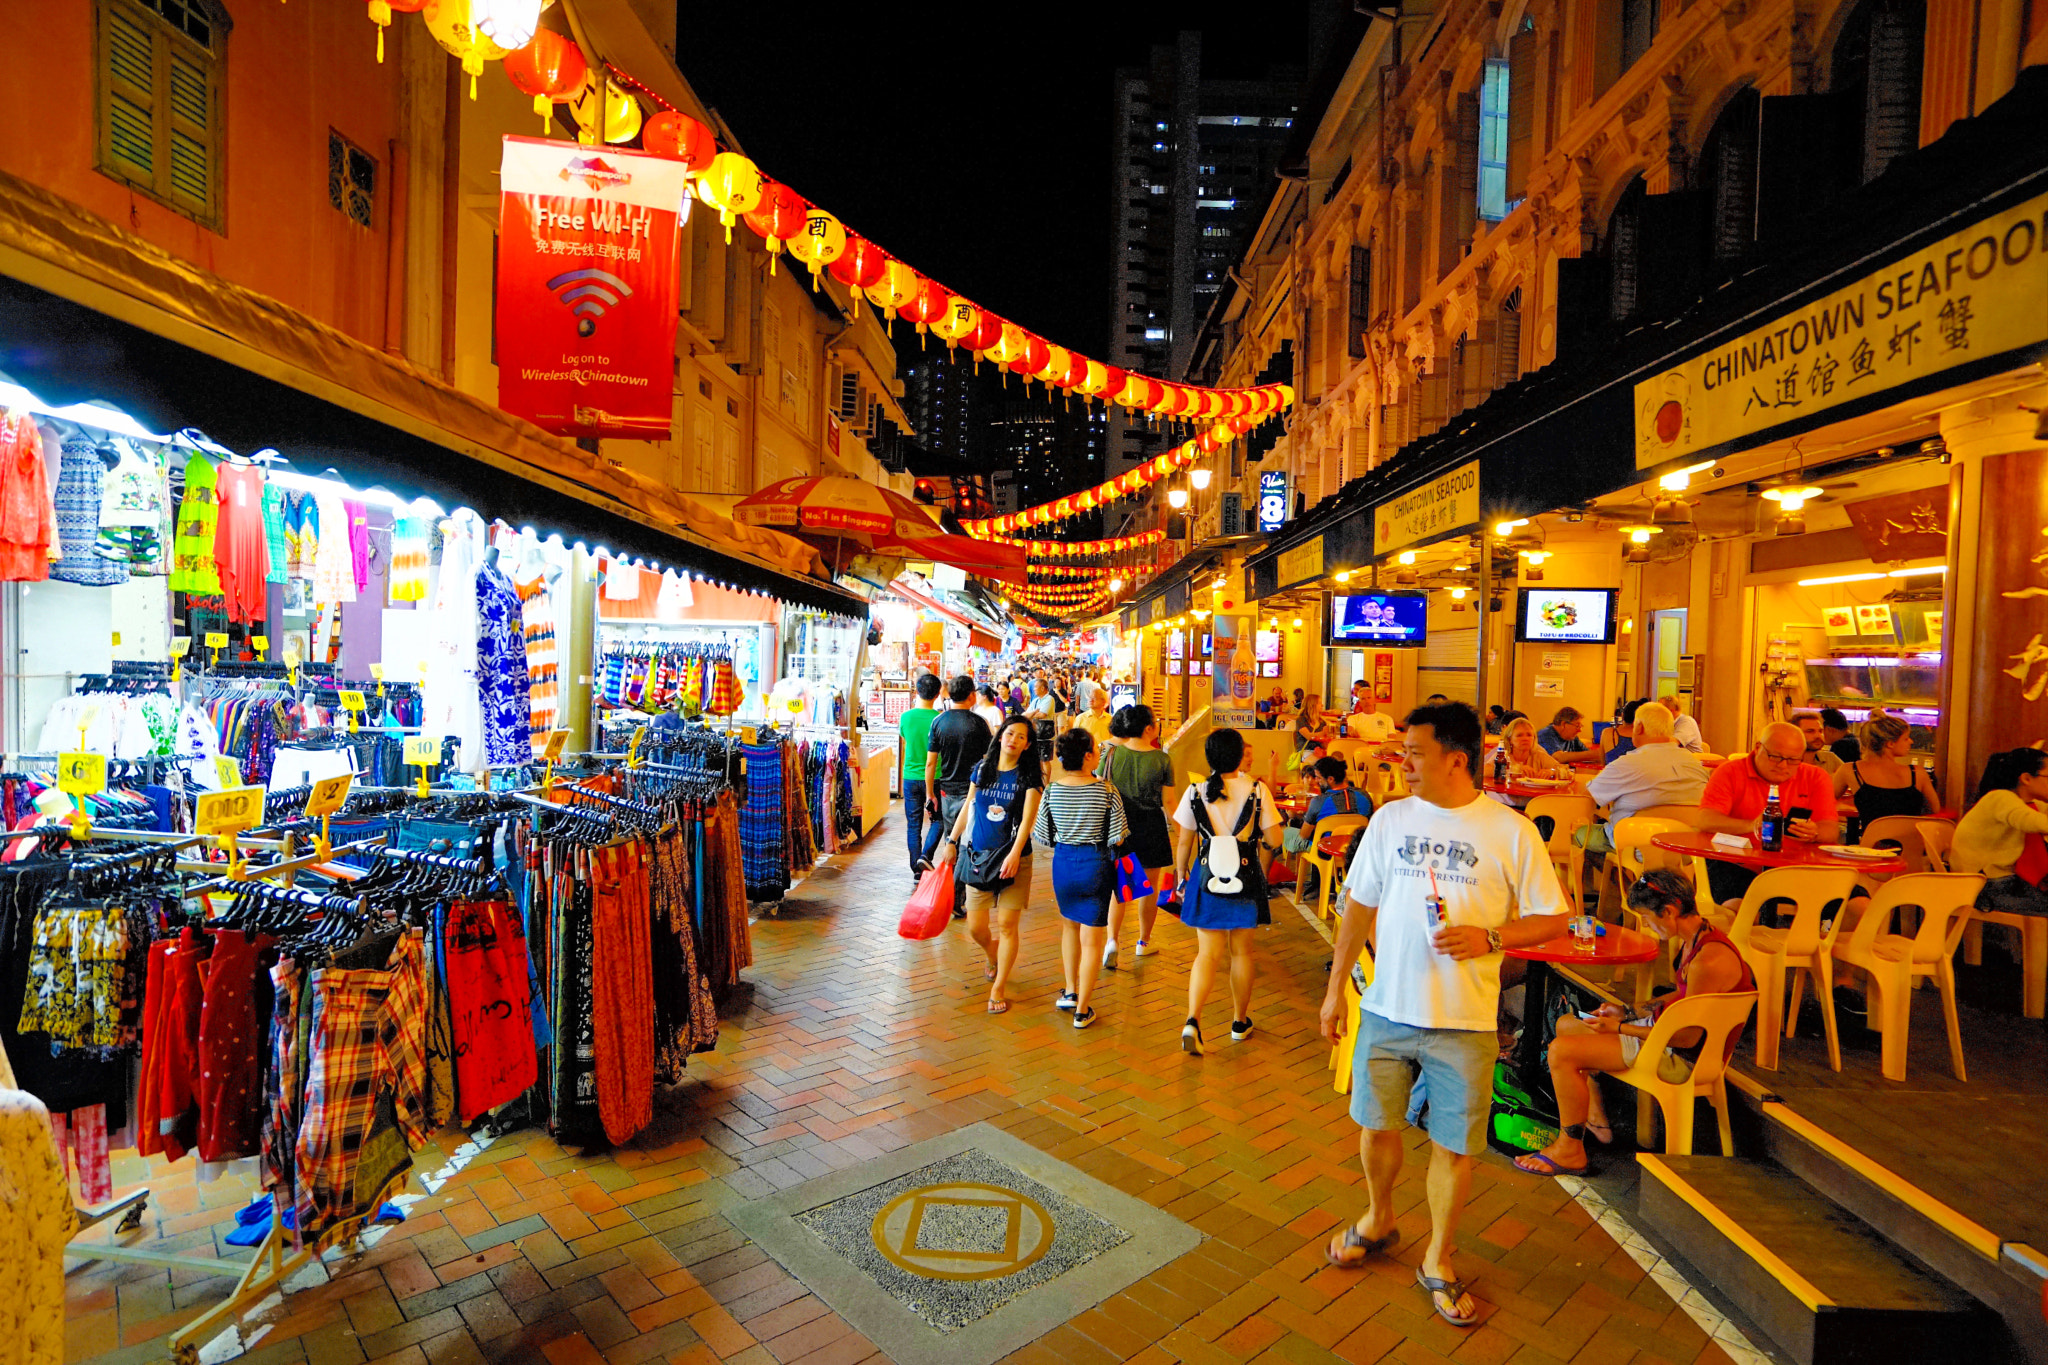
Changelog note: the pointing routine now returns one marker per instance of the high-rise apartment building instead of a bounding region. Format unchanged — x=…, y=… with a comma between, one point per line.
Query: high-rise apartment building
x=1193, y=168
x=942, y=398
x=1041, y=448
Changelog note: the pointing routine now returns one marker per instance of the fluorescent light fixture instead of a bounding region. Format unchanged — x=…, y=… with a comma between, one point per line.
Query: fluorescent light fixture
x=1507, y=528
x=1839, y=578
x=1915, y=573
x=1343, y=575
x=1407, y=556
x=1458, y=594
x=98, y=416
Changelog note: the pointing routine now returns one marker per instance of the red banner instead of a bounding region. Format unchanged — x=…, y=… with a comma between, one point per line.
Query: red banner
x=586, y=326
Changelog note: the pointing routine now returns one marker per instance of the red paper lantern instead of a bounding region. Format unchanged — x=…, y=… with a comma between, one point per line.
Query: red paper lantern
x=1034, y=356
x=674, y=135
x=777, y=218
x=986, y=333
x=860, y=265
x=931, y=303
x=1173, y=400
x=1241, y=425
x=1077, y=370
x=1206, y=443
x=1113, y=382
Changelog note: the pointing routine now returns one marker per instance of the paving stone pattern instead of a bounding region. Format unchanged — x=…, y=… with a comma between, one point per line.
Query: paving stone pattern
x=852, y=1042
x=845, y=1225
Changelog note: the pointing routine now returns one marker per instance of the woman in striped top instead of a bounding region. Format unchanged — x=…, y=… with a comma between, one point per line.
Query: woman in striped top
x=1082, y=818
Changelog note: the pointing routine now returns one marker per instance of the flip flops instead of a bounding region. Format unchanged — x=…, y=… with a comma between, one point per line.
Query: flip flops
x=1452, y=1290
x=1555, y=1169
x=1372, y=1247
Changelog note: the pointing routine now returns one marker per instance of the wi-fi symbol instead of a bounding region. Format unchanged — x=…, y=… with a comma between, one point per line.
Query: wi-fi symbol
x=588, y=293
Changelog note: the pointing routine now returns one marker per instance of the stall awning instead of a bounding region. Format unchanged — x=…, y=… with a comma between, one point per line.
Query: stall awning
x=90, y=311
x=916, y=598
x=977, y=638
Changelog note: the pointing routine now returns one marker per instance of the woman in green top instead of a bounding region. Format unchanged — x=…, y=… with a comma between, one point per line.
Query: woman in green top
x=1141, y=772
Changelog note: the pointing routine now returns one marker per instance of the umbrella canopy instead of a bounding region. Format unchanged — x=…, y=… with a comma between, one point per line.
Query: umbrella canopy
x=844, y=517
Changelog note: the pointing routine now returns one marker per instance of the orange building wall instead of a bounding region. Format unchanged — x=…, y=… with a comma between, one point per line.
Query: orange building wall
x=293, y=72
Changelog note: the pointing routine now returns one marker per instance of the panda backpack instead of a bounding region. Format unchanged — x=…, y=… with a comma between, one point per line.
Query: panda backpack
x=1224, y=865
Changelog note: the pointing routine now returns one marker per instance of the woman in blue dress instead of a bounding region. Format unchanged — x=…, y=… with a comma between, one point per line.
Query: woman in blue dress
x=1230, y=812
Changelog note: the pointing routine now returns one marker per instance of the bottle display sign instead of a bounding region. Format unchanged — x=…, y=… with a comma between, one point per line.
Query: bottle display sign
x=1235, y=673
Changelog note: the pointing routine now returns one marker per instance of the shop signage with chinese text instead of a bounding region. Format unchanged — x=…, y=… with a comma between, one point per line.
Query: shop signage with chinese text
x=1972, y=295
x=1441, y=507
x=1299, y=564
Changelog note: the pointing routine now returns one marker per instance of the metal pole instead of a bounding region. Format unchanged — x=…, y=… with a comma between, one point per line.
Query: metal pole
x=590, y=59
x=1485, y=595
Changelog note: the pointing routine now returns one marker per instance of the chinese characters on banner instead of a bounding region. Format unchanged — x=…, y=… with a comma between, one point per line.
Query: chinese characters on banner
x=1975, y=294
x=586, y=325
x=1437, y=508
x=1233, y=674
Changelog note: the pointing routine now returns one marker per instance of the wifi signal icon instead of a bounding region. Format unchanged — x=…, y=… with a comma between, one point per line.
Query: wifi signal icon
x=588, y=293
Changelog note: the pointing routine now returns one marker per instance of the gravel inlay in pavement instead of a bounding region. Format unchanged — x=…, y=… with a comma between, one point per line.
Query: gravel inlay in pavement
x=958, y=1239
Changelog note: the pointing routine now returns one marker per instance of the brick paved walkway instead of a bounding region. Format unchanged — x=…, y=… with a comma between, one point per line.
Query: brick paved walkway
x=852, y=1042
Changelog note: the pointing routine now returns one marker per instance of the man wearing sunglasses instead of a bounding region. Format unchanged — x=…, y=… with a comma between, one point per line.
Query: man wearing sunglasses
x=1733, y=802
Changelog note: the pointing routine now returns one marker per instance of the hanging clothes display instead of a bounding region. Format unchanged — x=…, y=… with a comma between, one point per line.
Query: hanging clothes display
x=28, y=516
x=37, y=1218
x=193, y=569
x=537, y=624
x=134, y=511
x=410, y=534
x=334, y=573
x=450, y=686
x=277, y=541
x=79, y=495
x=501, y=667
x=241, y=546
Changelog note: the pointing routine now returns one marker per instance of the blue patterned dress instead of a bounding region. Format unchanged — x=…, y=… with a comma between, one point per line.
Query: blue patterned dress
x=501, y=670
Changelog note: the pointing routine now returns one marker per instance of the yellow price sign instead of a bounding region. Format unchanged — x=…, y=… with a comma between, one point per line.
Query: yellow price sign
x=329, y=794
x=229, y=771
x=81, y=774
x=353, y=701
x=228, y=812
x=551, y=750
x=117, y=639
x=377, y=672
x=423, y=751
x=633, y=749
x=261, y=644
x=181, y=645
x=216, y=639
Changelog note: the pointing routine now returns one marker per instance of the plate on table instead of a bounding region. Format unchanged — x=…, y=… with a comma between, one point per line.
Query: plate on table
x=1541, y=781
x=1858, y=851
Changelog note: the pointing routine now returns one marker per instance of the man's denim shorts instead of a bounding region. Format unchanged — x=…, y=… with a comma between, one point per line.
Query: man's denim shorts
x=1456, y=1064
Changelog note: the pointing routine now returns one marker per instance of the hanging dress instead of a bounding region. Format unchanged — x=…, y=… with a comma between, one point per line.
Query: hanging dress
x=410, y=534
x=277, y=539
x=334, y=573
x=194, y=570
x=537, y=622
x=240, y=546
x=78, y=519
x=448, y=690
x=501, y=669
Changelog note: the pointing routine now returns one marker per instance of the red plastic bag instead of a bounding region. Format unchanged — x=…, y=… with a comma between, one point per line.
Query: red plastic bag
x=931, y=905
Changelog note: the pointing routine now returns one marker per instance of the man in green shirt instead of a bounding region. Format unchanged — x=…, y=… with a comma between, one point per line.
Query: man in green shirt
x=914, y=726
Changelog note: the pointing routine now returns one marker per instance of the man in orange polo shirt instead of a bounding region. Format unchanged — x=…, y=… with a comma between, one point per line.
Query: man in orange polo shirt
x=1733, y=802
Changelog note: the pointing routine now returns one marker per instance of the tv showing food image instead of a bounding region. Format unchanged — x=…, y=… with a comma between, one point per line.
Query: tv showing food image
x=1566, y=616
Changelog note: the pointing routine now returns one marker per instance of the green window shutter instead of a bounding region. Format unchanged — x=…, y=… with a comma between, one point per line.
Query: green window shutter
x=129, y=137
x=190, y=180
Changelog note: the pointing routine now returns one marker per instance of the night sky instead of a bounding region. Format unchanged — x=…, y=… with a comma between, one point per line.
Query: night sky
x=972, y=141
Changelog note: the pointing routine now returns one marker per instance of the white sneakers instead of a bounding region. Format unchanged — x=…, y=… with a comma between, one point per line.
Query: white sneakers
x=1109, y=956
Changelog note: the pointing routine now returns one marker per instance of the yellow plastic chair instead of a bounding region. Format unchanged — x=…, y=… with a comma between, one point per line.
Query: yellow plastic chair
x=1804, y=949
x=1938, y=837
x=1329, y=867
x=1720, y=1016
x=1901, y=832
x=1568, y=815
x=1633, y=855
x=1891, y=962
x=1347, y=1045
x=1352, y=751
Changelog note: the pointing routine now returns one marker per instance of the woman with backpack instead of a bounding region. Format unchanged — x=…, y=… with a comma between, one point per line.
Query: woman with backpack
x=1141, y=772
x=1226, y=824
x=1082, y=818
x=994, y=860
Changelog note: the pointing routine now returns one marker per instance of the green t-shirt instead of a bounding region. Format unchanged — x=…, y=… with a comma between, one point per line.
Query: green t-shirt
x=1141, y=778
x=915, y=726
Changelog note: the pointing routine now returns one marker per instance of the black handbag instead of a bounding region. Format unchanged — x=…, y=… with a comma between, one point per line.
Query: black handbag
x=982, y=866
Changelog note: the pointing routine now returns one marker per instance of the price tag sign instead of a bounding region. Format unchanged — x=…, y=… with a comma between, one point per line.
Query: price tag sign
x=423, y=751
x=377, y=672
x=329, y=794
x=353, y=701
x=181, y=645
x=261, y=644
x=229, y=770
x=81, y=774
x=117, y=639
x=551, y=750
x=228, y=812
x=216, y=639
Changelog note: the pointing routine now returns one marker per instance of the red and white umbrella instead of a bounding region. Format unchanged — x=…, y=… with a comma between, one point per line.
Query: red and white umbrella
x=844, y=517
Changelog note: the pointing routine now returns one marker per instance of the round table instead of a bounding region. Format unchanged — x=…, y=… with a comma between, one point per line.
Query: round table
x=1795, y=853
x=1518, y=790
x=1618, y=947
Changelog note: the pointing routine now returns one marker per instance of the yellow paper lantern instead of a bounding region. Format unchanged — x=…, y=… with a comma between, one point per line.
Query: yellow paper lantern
x=899, y=285
x=1009, y=345
x=1097, y=379
x=732, y=185
x=453, y=24
x=960, y=318
x=621, y=111
x=1058, y=359
x=821, y=242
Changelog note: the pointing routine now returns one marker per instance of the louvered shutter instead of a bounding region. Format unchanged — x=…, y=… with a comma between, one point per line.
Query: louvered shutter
x=128, y=47
x=1521, y=110
x=191, y=133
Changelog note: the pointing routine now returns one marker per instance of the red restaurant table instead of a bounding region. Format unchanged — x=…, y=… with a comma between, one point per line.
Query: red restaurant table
x=1796, y=853
x=1522, y=791
x=1619, y=947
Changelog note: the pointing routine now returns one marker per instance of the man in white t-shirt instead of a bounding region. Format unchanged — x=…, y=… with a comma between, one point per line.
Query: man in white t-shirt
x=1435, y=992
x=1374, y=727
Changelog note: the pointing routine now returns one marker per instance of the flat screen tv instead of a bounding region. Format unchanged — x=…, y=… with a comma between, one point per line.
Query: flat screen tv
x=1565, y=616
x=1388, y=619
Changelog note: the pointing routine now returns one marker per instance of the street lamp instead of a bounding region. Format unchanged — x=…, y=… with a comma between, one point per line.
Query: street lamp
x=1199, y=478
x=1176, y=498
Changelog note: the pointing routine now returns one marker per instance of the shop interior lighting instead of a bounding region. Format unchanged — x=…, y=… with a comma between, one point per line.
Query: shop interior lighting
x=1199, y=478
x=1678, y=479
x=98, y=416
x=1915, y=573
x=1458, y=594
x=1116, y=584
x=1407, y=557
x=1791, y=499
x=1536, y=557
x=1176, y=498
x=1297, y=623
x=1507, y=528
x=1343, y=575
x=1839, y=578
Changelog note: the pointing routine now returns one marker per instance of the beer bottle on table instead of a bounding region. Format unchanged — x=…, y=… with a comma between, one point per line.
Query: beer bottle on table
x=1771, y=829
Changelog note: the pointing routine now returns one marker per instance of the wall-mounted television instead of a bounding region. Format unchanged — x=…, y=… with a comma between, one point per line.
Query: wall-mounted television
x=1565, y=616
x=1395, y=619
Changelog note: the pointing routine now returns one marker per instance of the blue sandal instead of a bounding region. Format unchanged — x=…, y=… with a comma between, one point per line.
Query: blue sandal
x=1452, y=1290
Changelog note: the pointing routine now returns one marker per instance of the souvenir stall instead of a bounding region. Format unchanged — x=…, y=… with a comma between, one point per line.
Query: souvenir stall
x=672, y=642
x=849, y=772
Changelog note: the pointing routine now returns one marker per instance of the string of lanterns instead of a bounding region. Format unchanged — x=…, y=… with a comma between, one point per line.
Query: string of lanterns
x=1096, y=573
x=1084, y=549
x=552, y=69
x=1151, y=472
